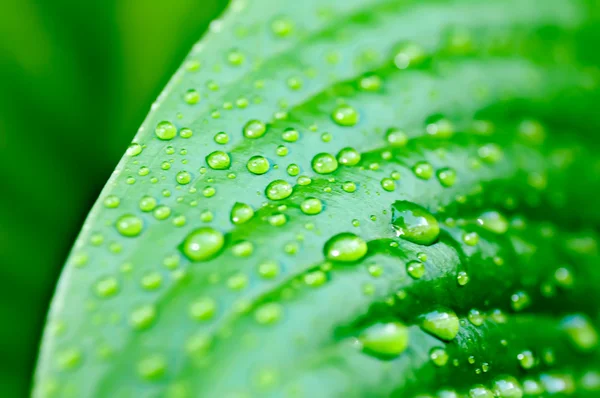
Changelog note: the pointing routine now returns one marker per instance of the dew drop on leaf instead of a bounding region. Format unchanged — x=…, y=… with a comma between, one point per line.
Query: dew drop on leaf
x=414, y=223
x=324, y=163
x=442, y=323
x=345, y=247
x=165, y=130
x=386, y=340
x=202, y=244
x=254, y=129
x=218, y=160
x=345, y=115
x=129, y=225
x=258, y=165
x=278, y=190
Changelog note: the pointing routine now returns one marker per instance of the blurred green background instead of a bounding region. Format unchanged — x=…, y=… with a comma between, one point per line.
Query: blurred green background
x=76, y=80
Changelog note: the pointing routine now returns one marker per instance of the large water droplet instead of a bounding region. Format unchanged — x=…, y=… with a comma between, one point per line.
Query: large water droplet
x=202, y=244
x=241, y=213
x=258, y=165
x=129, y=225
x=345, y=247
x=278, y=190
x=493, y=221
x=345, y=115
x=255, y=129
x=218, y=160
x=414, y=223
x=165, y=130
x=385, y=339
x=507, y=387
x=324, y=163
x=442, y=323
x=581, y=332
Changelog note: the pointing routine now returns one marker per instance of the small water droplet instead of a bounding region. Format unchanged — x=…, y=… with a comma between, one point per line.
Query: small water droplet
x=423, y=170
x=348, y=157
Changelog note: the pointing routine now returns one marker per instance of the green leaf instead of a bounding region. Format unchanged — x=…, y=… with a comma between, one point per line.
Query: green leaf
x=369, y=198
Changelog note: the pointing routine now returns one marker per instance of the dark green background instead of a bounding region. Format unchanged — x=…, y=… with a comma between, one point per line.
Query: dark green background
x=76, y=80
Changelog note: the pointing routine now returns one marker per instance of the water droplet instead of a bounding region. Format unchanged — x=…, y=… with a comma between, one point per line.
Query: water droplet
x=345, y=115
x=526, y=359
x=165, y=130
x=396, y=137
x=218, y=160
x=470, y=238
x=242, y=249
x=268, y=314
x=438, y=356
x=254, y=129
x=349, y=186
x=202, y=244
x=235, y=58
x=162, y=212
x=447, y=177
x=268, y=269
x=191, y=97
x=532, y=131
x=142, y=317
x=385, y=340
x=152, y=367
x=203, y=309
x=311, y=206
x=423, y=170
x=290, y=135
x=107, y=287
x=507, y=387
x=282, y=26
x=183, y=177
x=147, y=203
x=237, y=282
x=490, y=153
x=370, y=82
x=315, y=278
x=581, y=332
x=493, y=221
x=112, y=202
x=278, y=190
x=563, y=277
x=241, y=213
x=324, y=163
x=440, y=128
x=520, y=300
x=414, y=223
x=293, y=170
x=442, y=323
x=479, y=391
x=134, y=149
x=415, y=269
x=258, y=165
x=345, y=247
x=129, y=225
x=409, y=55
x=221, y=138
x=462, y=278
x=476, y=317
x=70, y=358
x=388, y=184
x=348, y=157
